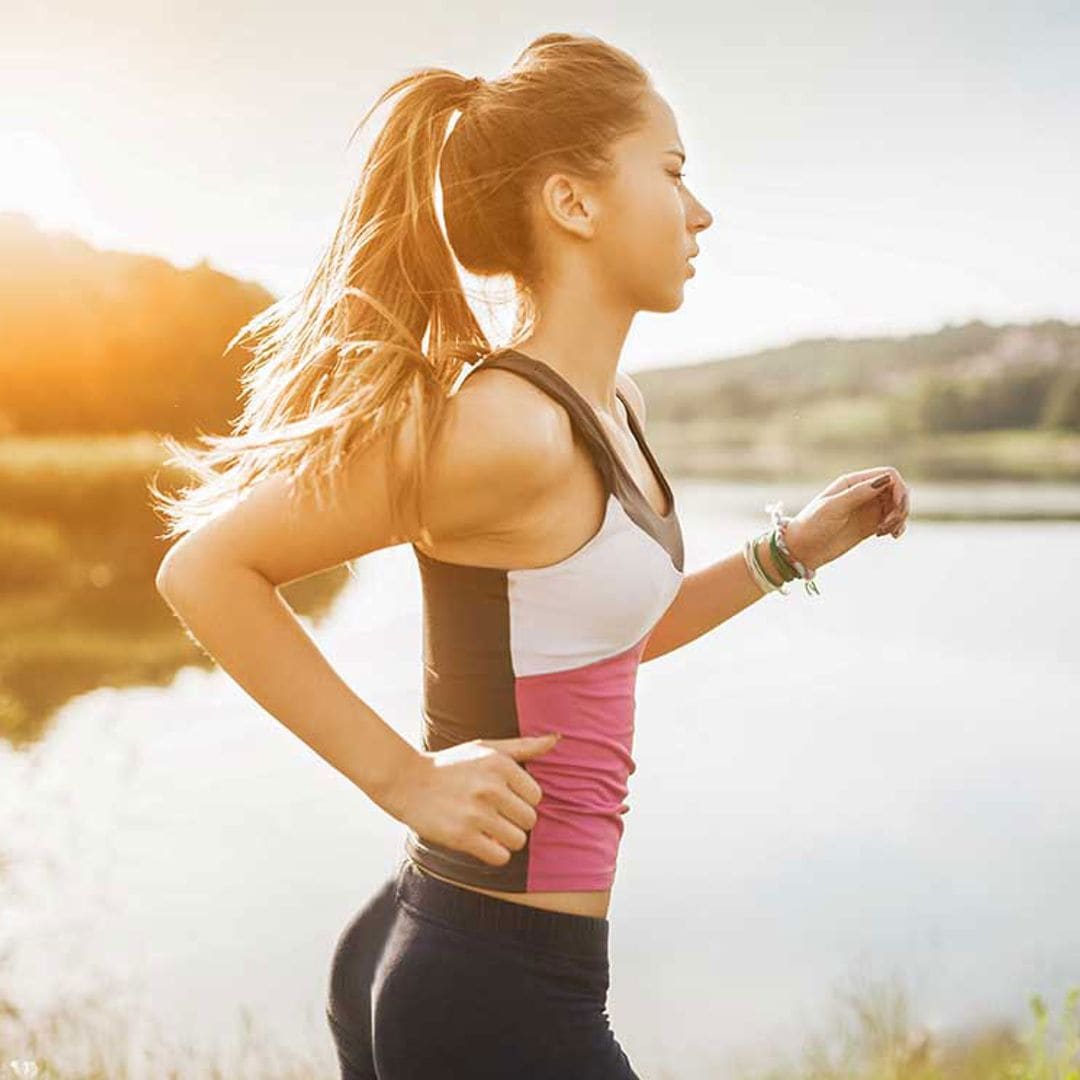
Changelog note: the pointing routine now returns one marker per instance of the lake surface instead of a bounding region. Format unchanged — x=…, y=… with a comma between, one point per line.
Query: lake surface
x=879, y=783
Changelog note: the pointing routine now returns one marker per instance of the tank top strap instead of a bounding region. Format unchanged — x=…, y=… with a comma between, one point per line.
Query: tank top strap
x=582, y=418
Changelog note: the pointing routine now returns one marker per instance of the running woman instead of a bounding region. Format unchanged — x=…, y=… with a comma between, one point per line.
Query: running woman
x=546, y=536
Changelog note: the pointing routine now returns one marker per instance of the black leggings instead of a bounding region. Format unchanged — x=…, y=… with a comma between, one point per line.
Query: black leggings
x=432, y=981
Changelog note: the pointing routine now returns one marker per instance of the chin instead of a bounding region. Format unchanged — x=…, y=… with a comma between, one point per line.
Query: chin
x=672, y=302
x=671, y=299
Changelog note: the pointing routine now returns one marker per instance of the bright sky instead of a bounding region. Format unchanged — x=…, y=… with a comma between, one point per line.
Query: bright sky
x=871, y=167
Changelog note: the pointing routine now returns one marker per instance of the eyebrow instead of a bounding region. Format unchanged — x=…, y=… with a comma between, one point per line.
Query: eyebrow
x=679, y=152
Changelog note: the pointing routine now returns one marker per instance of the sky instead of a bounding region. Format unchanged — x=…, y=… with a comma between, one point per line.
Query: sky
x=872, y=168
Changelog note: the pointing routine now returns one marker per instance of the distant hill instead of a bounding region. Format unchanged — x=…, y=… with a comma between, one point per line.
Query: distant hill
x=103, y=341
x=970, y=401
x=99, y=342
x=973, y=377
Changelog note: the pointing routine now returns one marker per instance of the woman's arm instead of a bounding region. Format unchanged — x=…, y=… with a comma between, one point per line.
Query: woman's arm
x=707, y=598
x=853, y=507
x=710, y=596
x=238, y=616
x=222, y=580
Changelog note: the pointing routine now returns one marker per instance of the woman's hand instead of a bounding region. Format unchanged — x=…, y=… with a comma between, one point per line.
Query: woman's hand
x=849, y=510
x=472, y=797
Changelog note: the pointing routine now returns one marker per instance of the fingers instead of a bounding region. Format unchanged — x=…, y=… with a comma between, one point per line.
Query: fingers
x=847, y=480
x=895, y=495
x=523, y=784
x=873, y=487
x=896, y=521
x=487, y=850
x=525, y=746
x=505, y=832
x=490, y=833
x=512, y=807
x=511, y=816
x=842, y=483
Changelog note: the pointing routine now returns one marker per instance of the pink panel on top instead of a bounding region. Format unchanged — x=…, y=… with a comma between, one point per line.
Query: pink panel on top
x=575, y=840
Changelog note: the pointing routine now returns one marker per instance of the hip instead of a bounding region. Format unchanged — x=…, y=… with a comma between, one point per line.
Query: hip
x=430, y=979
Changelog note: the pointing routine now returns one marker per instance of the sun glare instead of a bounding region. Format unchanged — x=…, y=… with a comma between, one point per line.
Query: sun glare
x=38, y=180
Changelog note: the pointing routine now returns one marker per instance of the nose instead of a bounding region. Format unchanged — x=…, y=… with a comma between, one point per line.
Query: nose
x=702, y=220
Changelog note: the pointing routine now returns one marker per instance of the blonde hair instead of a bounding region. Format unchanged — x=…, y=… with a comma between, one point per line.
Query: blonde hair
x=342, y=361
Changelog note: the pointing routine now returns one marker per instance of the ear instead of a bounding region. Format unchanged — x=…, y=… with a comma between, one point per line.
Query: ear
x=633, y=395
x=567, y=202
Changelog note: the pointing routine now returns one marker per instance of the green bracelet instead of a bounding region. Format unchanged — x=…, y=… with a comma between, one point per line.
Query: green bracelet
x=786, y=569
x=764, y=573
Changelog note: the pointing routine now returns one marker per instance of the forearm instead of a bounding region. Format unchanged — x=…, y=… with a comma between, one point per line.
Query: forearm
x=245, y=625
x=707, y=598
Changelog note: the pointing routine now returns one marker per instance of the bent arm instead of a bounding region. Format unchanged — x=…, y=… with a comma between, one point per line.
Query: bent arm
x=243, y=622
x=222, y=580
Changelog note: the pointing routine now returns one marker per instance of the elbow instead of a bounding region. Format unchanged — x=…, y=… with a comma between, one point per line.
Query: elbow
x=163, y=584
x=165, y=579
x=177, y=566
x=191, y=568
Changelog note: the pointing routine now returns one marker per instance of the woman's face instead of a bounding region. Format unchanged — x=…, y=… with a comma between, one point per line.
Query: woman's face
x=646, y=219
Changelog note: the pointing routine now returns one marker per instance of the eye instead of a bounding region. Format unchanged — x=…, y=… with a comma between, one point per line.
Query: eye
x=678, y=176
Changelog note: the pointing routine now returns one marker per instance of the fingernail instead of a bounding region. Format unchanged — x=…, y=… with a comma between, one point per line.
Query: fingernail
x=881, y=480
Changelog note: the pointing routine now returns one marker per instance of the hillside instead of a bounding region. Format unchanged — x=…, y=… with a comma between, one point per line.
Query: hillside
x=102, y=342
x=99, y=342
x=971, y=401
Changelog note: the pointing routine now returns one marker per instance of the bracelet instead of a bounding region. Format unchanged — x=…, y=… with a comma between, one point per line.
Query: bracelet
x=761, y=579
x=782, y=553
x=758, y=572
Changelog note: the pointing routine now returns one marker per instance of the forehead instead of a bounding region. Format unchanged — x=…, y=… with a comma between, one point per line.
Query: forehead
x=659, y=132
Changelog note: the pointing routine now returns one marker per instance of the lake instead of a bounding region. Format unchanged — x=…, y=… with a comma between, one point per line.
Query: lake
x=878, y=782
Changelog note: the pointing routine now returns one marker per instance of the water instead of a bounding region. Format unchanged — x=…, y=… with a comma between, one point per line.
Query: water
x=878, y=780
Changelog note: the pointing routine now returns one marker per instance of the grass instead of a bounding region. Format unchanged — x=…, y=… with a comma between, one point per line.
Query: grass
x=92, y=1039
x=872, y=1038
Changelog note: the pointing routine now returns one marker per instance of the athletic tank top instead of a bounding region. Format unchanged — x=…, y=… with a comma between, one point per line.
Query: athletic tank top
x=509, y=653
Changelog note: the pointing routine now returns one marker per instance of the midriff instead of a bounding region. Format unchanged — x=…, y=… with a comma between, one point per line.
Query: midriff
x=594, y=902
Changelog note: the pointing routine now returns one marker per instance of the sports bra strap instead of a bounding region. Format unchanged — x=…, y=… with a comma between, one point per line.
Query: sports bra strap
x=617, y=479
x=581, y=414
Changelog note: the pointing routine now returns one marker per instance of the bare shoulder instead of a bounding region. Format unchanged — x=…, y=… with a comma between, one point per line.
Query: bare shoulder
x=502, y=456
x=633, y=394
x=505, y=447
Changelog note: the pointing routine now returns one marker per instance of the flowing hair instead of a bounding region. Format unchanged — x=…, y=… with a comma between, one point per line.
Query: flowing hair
x=343, y=361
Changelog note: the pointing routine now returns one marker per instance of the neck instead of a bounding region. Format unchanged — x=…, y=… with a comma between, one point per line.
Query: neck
x=582, y=346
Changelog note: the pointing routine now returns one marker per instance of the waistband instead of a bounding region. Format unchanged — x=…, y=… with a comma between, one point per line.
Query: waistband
x=582, y=938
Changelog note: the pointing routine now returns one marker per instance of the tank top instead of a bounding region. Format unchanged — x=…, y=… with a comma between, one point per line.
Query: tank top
x=509, y=653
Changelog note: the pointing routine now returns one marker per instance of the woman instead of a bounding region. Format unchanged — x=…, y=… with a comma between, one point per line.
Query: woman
x=547, y=539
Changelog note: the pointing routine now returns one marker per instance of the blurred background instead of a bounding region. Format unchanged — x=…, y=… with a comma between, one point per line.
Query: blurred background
x=853, y=838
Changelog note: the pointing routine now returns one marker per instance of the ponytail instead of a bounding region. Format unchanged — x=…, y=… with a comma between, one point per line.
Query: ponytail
x=344, y=361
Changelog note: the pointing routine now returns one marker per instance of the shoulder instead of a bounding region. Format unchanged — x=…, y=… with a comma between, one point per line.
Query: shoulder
x=633, y=395
x=504, y=446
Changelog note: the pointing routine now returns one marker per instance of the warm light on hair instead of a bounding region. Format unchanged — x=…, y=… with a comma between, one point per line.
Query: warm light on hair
x=344, y=360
